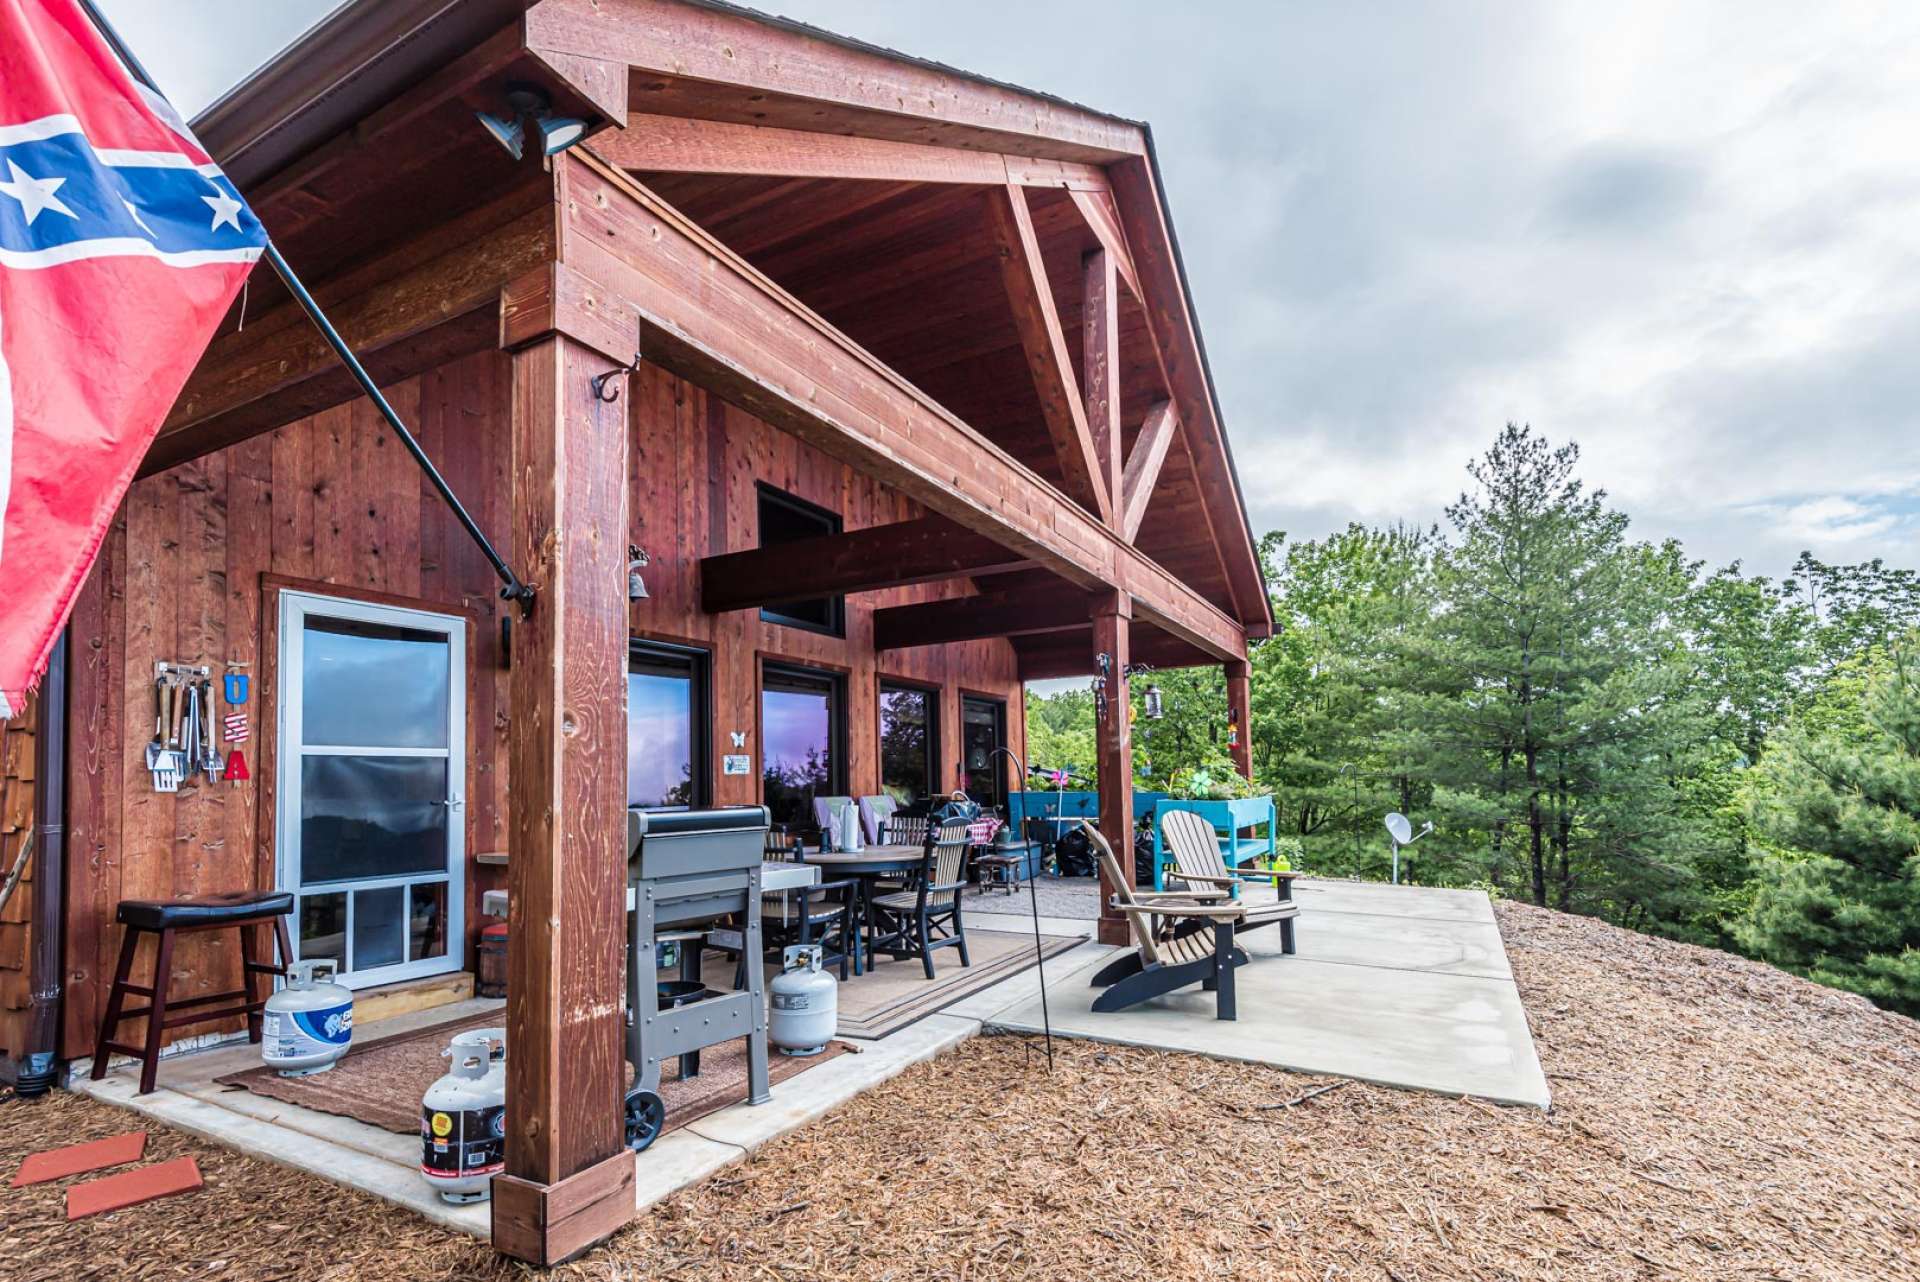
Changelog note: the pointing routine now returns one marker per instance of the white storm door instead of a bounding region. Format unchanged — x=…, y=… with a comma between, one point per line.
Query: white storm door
x=372, y=771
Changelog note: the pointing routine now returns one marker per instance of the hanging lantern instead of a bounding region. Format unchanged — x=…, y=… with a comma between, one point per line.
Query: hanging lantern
x=1151, y=705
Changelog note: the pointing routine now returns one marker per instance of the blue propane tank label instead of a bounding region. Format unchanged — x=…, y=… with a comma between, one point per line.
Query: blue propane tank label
x=289, y=1035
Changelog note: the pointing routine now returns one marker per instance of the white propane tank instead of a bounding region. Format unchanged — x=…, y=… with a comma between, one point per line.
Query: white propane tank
x=463, y=1118
x=805, y=1003
x=308, y=1025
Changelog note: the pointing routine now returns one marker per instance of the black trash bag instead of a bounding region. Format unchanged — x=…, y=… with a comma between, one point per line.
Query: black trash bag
x=1143, y=856
x=1073, y=853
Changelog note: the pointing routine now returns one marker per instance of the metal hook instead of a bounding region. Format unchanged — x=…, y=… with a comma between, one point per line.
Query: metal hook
x=602, y=384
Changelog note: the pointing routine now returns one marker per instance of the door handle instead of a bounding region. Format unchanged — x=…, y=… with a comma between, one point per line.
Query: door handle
x=452, y=804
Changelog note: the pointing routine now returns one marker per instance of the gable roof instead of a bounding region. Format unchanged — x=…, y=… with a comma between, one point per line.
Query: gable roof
x=368, y=52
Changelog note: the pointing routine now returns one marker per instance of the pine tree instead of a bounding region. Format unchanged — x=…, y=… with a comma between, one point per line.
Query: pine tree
x=1842, y=905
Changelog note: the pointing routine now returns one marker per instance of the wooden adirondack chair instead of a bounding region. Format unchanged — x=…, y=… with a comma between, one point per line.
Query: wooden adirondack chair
x=1203, y=872
x=1183, y=941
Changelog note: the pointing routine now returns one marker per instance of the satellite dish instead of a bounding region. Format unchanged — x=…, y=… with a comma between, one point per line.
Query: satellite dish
x=1398, y=826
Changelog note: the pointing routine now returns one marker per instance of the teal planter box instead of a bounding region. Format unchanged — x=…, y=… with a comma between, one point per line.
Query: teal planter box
x=1230, y=819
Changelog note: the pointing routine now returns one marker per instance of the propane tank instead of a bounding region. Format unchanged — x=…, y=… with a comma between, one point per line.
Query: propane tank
x=308, y=1025
x=463, y=1117
x=805, y=1003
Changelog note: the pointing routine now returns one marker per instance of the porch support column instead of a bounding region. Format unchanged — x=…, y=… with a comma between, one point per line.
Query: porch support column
x=1112, y=620
x=1240, y=717
x=569, y=1174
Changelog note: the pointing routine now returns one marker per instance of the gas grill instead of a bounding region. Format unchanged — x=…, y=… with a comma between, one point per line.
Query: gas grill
x=687, y=870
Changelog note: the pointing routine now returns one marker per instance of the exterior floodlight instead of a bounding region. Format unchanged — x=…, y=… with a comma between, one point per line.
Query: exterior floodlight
x=1400, y=832
x=531, y=103
x=510, y=134
x=1151, y=705
x=557, y=133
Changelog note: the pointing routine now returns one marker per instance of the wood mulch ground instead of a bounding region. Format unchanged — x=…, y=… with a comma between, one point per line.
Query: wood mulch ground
x=1712, y=1118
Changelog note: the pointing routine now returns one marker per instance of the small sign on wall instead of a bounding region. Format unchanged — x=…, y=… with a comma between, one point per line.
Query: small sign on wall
x=736, y=763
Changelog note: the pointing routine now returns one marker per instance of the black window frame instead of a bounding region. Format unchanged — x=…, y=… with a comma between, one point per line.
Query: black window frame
x=697, y=663
x=830, y=523
x=803, y=678
x=932, y=696
x=996, y=769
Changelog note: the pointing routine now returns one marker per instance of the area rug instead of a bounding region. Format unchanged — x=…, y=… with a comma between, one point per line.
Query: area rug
x=381, y=1082
x=895, y=994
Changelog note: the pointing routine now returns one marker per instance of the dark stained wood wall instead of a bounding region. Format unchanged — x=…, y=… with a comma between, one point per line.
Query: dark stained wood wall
x=16, y=918
x=190, y=570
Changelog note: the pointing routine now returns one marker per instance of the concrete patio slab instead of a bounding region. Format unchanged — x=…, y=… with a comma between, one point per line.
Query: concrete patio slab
x=1401, y=998
x=385, y=1164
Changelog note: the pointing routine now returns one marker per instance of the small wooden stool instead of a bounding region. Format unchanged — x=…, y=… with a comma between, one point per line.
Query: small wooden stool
x=241, y=911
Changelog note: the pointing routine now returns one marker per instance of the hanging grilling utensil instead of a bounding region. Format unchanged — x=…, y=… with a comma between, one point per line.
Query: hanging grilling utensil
x=190, y=731
x=173, y=762
x=159, y=744
x=215, y=763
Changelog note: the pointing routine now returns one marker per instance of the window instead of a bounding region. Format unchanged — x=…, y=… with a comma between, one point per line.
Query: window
x=786, y=519
x=983, y=727
x=667, y=757
x=909, y=735
x=802, y=736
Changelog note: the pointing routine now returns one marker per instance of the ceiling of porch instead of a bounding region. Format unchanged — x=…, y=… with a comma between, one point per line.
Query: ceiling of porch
x=911, y=272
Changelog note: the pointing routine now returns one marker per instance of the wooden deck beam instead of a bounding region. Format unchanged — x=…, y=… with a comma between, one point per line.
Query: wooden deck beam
x=1143, y=466
x=972, y=618
x=1100, y=358
x=678, y=145
x=710, y=317
x=925, y=550
x=1037, y=319
x=692, y=60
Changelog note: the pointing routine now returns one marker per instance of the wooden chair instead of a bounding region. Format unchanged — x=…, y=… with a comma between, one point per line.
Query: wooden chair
x=905, y=830
x=916, y=921
x=1202, y=873
x=1182, y=941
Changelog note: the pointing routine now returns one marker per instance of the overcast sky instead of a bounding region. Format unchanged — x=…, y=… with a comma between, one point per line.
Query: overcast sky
x=1686, y=236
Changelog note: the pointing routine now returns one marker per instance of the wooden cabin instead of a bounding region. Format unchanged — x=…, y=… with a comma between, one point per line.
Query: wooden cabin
x=886, y=372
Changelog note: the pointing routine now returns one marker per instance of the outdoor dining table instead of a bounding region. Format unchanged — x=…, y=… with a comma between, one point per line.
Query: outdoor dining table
x=867, y=865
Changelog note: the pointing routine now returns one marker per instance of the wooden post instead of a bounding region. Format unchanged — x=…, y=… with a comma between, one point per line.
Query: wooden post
x=1112, y=620
x=1100, y=352
x=569, y=1175
x=1239, y=717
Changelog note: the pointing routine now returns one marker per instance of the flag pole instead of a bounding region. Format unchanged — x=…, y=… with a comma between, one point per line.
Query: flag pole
x=512, y=587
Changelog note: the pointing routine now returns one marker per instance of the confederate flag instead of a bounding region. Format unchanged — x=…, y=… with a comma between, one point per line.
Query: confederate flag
x=121, y=247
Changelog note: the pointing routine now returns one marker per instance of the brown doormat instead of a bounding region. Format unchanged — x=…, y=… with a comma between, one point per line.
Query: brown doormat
x=895, y=994
x=381, y=1083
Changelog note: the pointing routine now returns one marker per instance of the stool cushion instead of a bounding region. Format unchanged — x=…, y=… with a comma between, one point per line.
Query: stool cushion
x=205, y=910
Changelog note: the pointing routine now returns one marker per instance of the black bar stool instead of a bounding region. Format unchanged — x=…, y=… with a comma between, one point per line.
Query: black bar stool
x=242, y=911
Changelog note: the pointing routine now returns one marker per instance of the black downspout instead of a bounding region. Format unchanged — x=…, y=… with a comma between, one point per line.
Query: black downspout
x=49, y=878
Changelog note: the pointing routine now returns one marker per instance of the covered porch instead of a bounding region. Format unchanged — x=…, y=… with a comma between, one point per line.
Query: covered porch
x=777, y=397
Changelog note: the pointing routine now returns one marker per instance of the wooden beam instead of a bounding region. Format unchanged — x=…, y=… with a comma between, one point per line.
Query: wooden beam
x=677, y=145
x=710, y=317
x=971, y=618
x=881, y=556
x=1097, y=211
x=566, y=765
x=1113, y=746
x=1240, y=716
x=1100, y=358
x=692, y=60
x=1169, y=319
x=1070, y=654
x=279, y=368
x=1143, y=466
x=1038, y=321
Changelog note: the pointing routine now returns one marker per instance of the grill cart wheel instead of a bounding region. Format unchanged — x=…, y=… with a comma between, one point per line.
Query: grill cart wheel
x=646, y=1114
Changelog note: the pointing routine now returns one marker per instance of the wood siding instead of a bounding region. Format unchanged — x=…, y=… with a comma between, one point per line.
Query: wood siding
x=192, y=566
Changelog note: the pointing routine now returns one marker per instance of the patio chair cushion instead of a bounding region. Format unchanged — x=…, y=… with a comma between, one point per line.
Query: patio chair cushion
x=874, y=814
